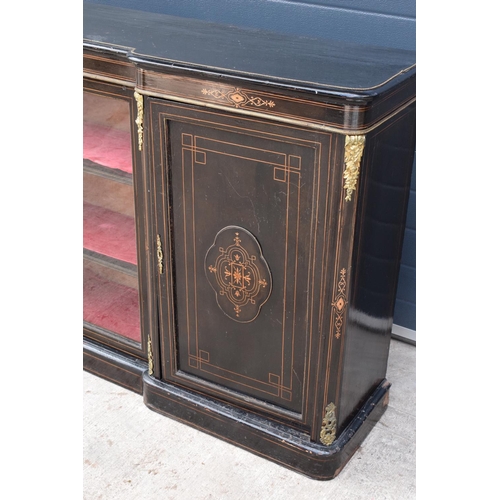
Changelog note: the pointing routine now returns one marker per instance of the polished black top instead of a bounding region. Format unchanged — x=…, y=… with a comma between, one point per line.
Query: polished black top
x=265, y=56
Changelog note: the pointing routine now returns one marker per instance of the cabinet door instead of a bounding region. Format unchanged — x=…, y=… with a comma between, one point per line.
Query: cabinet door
x=241, y=222
x=111, y=289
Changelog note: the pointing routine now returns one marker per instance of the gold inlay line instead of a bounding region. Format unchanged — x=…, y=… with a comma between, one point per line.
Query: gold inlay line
x=108, y=79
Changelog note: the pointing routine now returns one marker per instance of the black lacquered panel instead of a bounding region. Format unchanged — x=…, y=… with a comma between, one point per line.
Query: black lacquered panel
x=243, y=206
x=252, y=53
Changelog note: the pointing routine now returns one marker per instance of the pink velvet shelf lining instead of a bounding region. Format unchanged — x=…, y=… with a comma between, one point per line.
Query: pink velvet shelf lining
x=109, y=233
x=111, y=306
x=107, y=146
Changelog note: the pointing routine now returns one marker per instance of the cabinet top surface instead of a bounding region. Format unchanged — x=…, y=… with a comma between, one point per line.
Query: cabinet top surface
x=321, y=64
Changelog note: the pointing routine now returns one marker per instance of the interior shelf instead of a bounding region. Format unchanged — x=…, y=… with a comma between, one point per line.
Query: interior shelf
x=110, y=262
x=113, y=174
x=109, y=233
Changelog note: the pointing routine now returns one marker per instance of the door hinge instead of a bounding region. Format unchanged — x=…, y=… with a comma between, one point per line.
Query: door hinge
x=150, y=356
x=159, y=254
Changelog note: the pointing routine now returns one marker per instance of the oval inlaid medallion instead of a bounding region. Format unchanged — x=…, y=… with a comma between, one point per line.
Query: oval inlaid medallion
x=238, y=273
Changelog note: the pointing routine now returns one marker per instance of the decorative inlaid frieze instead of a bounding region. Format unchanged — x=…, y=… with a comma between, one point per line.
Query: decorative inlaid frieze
x=238, y=98
x=238, y=273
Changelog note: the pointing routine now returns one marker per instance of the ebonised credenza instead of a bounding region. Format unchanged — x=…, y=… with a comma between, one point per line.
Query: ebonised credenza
x=245, y=198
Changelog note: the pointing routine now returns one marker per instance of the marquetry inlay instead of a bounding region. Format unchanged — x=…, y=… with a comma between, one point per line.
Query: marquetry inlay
x=238, y=273
x=339, y=303
x=238, y=98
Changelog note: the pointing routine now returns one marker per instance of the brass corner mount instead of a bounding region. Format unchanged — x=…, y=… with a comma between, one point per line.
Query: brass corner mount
x=353, y=151
x=329, y=426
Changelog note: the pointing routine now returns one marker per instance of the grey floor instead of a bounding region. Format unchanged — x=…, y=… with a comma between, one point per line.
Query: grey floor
x=131, y=452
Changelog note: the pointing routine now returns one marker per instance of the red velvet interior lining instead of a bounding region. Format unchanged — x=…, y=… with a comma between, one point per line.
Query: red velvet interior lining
x=109, y=233
x=111, y=306
x=107, y=146
x=107, y=304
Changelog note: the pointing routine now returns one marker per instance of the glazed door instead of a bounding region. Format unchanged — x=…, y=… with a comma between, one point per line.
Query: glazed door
x=112, y=293
x=240, y=230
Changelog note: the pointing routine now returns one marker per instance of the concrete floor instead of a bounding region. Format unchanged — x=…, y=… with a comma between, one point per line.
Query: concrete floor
x=133, y=453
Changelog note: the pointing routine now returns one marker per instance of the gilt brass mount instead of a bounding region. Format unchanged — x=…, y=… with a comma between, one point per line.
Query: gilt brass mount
x=329, y=426
x=140, y=118
x=150, y=357
x=159, y=254
x=354, y=145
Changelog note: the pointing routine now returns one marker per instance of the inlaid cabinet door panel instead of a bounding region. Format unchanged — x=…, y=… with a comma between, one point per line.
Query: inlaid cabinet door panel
x=241, y=220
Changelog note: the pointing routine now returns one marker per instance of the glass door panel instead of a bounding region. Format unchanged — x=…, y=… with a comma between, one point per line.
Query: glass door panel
x=110, y=281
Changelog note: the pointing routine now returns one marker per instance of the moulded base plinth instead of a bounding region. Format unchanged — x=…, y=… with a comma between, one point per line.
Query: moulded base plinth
x=113, y=366
x=276, y=442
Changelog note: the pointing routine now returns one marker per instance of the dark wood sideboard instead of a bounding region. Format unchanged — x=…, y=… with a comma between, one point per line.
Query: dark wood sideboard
x=245, y=199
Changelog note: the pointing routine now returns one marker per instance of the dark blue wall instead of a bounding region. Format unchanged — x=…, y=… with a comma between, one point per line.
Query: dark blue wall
x=405, y=310
x=389, y=23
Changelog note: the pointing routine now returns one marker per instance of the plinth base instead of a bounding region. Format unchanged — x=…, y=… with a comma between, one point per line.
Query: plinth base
x=113, y=366
x=278, y=443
